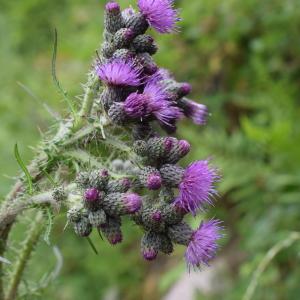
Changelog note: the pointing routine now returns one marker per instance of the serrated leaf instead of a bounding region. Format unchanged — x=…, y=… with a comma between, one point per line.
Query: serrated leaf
x=24, y=169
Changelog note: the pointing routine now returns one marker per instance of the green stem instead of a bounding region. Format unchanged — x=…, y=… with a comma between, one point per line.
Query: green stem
x=30, y=242
x=88, y=101
x=281, y=245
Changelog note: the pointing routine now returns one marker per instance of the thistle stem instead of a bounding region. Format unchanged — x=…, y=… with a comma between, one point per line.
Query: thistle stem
x=29, y=244
x=88, y=101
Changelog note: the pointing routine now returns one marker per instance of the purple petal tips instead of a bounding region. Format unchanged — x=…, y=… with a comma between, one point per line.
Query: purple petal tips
x=135, y=106
x=91, y=194
x=120, y=72
x=159, y=104
x=150, y=254
x=116, y=239
x=203, y=244
x=133, y=202
x=154, y=181
x=184, y=147
x=112, y=6
x=197, y=186
x=156, y=216
x=185, y=89
x=196, y=111
x=160, y=14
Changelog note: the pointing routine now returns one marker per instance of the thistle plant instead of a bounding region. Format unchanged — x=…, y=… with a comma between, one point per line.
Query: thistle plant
x=117, y=154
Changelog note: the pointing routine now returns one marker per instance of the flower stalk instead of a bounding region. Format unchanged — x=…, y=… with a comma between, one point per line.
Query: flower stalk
x=122, y=147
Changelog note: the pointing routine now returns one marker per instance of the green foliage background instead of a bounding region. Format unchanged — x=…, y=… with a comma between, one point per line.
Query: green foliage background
x=243, y=60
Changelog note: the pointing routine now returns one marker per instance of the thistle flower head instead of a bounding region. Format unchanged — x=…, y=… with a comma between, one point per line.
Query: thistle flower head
x=196, y=186
x=135, y=105
x=132, y=202
x=203, y=244
x=159, y=104
x=160, y=14
x=196, y=111
x=120, y=72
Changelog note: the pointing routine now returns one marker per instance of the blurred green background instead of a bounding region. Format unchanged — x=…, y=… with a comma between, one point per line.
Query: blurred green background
x=243, y=60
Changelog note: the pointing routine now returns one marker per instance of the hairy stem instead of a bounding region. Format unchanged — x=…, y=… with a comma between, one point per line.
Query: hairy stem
x=88, y=101
x=29, y=244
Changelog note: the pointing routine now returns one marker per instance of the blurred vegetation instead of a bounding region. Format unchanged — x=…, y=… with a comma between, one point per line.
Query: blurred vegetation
x=243, y=60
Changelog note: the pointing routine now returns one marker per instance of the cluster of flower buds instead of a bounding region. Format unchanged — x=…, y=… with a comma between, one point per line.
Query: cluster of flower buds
x=104, y=201
x=137, y=95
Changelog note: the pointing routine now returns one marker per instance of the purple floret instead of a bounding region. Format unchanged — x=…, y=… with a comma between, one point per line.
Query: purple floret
x=184, y=147
x=203, y=245
x=91, y=194
x=150, y=254
x=197, y=186
x=160, y=14
x=135, y=106
x=154, y=181
x=112, y=6
x=133, y=202
x=159, y=104
x=196, y=111
x=120, y=72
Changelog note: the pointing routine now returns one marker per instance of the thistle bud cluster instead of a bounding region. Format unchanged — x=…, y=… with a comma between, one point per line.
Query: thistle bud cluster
x=146, y=101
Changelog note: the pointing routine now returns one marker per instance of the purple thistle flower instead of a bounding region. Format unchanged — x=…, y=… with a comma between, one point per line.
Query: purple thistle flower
x=116, y=239
x=196, y=186
x=160, y=14
x=135, y=105
x=185, y=89
x=120, y=72
x=203, y=244
x=91, y=195
x=154, y=181
x=126, y=182
x=184, y=147
x=112, y=7
x=150, y=254
x=156, y=216
x=196, y=111
x=159, y=104
x=133, y=202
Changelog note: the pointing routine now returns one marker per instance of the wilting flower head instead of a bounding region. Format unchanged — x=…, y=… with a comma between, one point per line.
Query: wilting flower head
x=197, y=186
x=120, y=72
x=159, y=104
x=203, y=244
x=160, y=14
x=196, y=111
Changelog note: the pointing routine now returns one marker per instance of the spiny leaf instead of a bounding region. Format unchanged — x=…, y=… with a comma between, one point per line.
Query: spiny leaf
x=54, y=77
x=24, y=169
